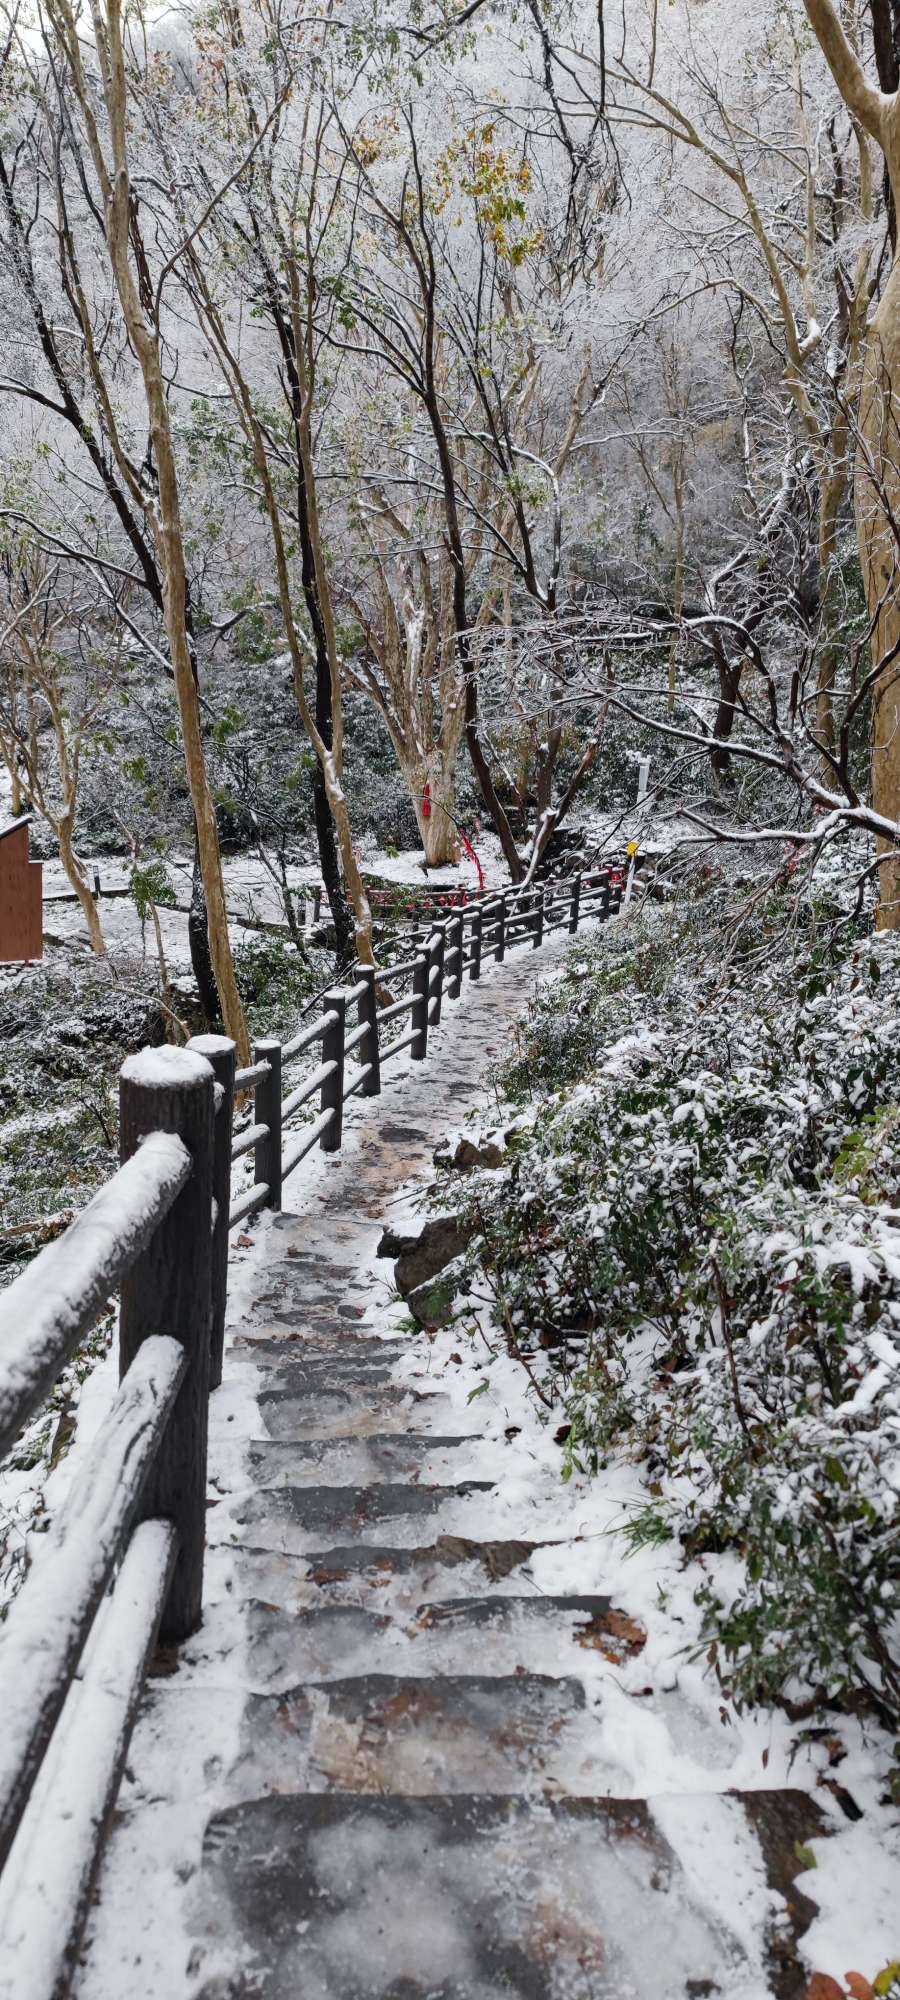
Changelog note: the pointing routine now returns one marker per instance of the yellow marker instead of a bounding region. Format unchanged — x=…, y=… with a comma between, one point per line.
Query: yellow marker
x=633, y=846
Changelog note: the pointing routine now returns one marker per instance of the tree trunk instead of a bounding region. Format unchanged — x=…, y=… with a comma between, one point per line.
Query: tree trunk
x=877, y=516
x=113, y=176
x=729, y=683
x=832, y=488
x=80, y=885
x=877, y=480
x=329, y=859
x=198, y=941
x=438, y=833
x=329, y=862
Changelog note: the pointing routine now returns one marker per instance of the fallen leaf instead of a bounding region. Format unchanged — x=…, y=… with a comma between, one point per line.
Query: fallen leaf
x=457, y=1360
x=244, y=1242
x=859, y=1986
x=823, y=1987
x=613, y=1634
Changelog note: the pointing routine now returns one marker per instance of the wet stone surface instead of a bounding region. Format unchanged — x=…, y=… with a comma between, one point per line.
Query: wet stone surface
x=458, y=1899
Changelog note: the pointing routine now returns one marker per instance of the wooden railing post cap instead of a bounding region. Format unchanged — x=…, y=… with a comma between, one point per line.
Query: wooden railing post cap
x=167, y=1068
x=211, y=1045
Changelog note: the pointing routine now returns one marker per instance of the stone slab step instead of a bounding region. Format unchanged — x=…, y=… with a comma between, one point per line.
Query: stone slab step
x=468, y=1898
x=338, y=1363
x=293, y=1344
x=506, y=1635
x=375, y=1576
x=354, y=1410
x=391, y=1460
x=295, y=1519
x=375, y=1733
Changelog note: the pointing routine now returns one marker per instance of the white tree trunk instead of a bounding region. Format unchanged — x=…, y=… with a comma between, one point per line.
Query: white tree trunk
x=438, y=832
x=79, y=883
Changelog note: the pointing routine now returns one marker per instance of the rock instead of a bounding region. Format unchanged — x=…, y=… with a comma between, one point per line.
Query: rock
x=465, y=1151
x=423, y=1270
x=486, y=1149
x=439, y=1241
x=393, y=1243
x=432, y=1303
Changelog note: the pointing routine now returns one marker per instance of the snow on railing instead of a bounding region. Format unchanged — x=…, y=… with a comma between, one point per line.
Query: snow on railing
x=158, y=1233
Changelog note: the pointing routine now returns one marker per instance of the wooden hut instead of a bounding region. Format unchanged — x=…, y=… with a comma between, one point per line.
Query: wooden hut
x=21, y=897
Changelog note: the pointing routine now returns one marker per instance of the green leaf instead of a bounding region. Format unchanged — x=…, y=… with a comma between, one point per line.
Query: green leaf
x=482, y=1386
x=805, y=1855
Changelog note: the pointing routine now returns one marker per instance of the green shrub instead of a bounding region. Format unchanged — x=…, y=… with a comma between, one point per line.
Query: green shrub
x=697, y=1249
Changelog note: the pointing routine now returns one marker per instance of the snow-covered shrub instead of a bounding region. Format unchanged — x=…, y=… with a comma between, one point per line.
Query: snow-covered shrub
x=696, y=1247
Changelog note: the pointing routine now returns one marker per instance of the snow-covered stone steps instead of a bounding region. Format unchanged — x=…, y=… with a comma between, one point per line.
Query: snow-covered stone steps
x=479, y=1898
x=372, y=1575
x=503, y=1635
x=295, y=1519
x=329, y=1409
x=375, y=1733
x=295, y=1351
x=369, y=1461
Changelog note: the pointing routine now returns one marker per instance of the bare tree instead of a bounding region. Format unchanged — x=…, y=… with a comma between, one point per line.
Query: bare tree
x=51, y=700
x=876, y=112
x=452, y=316
x=98, y=80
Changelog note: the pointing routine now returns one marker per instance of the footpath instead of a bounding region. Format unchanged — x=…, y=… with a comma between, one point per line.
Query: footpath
x=381, y=1770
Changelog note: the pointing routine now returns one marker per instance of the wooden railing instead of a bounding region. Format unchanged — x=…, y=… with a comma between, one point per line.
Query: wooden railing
x=121, y=1565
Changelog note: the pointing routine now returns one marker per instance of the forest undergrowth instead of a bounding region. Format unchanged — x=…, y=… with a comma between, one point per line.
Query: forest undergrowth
x=693, y=1247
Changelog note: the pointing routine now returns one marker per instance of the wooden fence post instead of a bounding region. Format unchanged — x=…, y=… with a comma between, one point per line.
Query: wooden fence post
x=367, y=1012
x=575, y=904
x=331, y=1096
x=475, y=935
x=500, y=952
x=219, y=1053
x=455, y=956
x=168, y=1290
x=438, y=947
x=606, y=905
x=419, y=1013
x=537, y=922
x=267, y=1111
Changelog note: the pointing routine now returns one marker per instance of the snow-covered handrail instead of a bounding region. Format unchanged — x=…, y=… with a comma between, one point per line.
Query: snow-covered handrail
x=48, y=1622
x=46, y=1312
x=156, y=1231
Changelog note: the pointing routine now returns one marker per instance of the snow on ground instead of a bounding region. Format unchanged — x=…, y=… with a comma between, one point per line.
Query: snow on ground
x=252, y=890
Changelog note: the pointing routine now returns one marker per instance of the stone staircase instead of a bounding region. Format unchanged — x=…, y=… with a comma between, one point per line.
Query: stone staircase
x=376, y=1773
